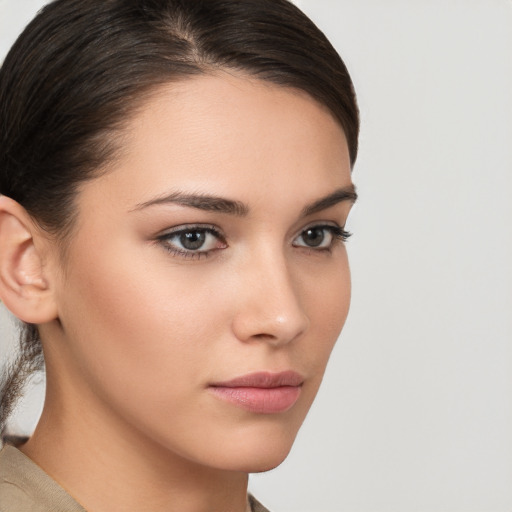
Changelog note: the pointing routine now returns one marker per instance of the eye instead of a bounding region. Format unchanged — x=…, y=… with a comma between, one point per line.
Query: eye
x=192, y=241
x=320, y=237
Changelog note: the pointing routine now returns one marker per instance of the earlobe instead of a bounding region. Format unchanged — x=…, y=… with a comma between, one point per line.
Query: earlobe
x=24, y=287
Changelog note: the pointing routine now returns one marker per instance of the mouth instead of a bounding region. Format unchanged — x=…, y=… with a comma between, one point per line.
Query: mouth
x=261, y=392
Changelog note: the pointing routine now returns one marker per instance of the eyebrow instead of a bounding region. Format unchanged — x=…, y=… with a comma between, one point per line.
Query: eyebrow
x=201, y=202
x=342, y=194
x=217, y=204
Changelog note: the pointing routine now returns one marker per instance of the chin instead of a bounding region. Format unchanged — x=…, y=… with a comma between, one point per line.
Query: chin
x=268, y=459
x=267, y=465
x=256, y=452
x=257, y=463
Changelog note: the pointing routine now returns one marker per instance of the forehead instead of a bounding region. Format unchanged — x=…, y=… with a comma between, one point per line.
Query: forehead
x=227, y=134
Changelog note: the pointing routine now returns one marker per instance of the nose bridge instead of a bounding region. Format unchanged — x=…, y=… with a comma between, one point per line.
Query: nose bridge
x=272, y=308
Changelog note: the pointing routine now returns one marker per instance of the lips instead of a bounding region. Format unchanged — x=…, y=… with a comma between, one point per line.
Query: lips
x=262, y=392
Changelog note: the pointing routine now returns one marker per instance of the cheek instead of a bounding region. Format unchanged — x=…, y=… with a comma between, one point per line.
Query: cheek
x=327, y=300
x=136, y=329
x=327, y=297
x=145, y=343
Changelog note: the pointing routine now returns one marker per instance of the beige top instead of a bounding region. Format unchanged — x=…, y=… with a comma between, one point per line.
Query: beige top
x=25, y=487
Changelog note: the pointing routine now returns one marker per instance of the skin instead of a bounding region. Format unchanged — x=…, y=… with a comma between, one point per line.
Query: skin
x=140, y=332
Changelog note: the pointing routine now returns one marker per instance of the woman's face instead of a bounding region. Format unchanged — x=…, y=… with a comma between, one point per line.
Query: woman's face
x=208, y=261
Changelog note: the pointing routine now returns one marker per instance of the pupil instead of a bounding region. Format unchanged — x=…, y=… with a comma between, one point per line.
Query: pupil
x=314, y=236
x=192, y=240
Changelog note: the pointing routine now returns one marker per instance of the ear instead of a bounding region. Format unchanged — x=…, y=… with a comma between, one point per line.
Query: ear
x=24, y=287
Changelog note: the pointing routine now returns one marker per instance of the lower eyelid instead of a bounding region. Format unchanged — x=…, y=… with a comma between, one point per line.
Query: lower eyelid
x=188, y=255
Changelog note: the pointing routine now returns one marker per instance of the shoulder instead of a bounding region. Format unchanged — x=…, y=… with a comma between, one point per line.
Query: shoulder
x=14, y=494
x=255, y=505
x=25, y=486
x=11, y=486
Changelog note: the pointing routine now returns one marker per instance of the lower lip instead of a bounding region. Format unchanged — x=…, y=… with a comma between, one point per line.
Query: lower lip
x=259, y=400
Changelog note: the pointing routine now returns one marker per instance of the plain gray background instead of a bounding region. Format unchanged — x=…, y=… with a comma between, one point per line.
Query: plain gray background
x=415, y=413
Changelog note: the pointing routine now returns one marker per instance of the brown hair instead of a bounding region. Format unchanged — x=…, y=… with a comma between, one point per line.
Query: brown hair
x=81, y=67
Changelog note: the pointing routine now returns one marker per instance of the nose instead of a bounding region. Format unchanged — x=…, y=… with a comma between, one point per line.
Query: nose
x=269, y=306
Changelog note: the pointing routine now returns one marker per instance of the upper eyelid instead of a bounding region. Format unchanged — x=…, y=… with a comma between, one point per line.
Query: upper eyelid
x=191, y=227
x=320, y=224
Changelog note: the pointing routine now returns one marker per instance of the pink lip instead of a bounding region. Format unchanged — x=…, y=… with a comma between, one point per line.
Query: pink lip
x=261, y=392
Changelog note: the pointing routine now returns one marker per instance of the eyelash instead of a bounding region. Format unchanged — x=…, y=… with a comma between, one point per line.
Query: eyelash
x=339, y=235
x=192, y=228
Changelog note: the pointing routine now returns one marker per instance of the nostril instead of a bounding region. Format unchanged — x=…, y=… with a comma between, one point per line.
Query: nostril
x=264, y=336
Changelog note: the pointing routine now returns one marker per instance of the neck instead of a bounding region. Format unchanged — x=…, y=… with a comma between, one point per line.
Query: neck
x=107, y=466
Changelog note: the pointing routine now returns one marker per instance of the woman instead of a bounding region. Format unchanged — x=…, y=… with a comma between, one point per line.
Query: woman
x=175, y=180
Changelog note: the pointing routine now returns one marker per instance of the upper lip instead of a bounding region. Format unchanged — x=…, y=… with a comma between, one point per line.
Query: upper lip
x=263, y=380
